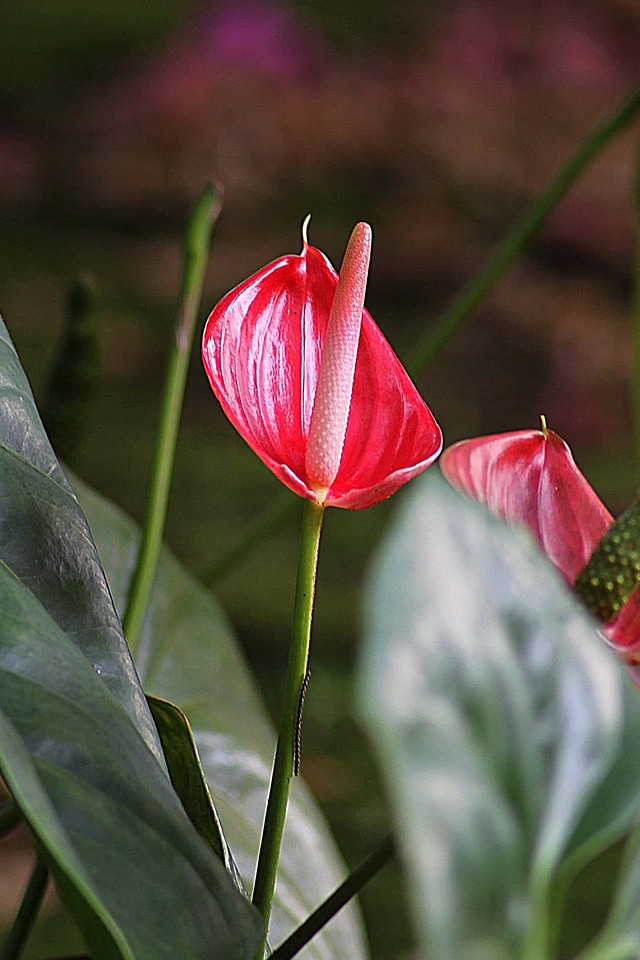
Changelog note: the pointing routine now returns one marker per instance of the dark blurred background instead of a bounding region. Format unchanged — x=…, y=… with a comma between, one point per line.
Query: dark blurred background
x=437, y=122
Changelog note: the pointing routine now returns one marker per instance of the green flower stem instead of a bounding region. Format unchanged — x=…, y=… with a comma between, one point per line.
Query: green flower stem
x=27, y=913
x=196, y=251
x=536, y=945
x=338, y=899
x=289, y=721
x=507, y=249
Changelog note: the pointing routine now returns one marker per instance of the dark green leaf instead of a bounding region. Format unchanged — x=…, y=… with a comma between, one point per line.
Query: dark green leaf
x=139, y=881
x=45, y=541
x=503, y=723
x=78, y=747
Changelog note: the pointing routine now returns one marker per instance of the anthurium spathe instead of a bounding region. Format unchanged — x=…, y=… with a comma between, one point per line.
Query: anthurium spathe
x=530, y=477
x=309, y=381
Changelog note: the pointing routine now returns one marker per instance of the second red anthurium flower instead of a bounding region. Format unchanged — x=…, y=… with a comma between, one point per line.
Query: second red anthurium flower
x=530, y=477
x=309, y=381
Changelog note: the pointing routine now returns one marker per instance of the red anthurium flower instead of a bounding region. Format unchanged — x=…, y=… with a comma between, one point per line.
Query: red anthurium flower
x=530, y=477
x=307, y=378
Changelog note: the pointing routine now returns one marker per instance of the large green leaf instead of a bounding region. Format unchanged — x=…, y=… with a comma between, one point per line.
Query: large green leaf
x=78, y=747
x=188, y=655
x=508, y=732
x=45, y=541
x=140, y=882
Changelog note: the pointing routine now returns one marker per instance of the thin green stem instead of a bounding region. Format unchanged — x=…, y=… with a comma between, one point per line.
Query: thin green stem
x=283, y=766
x=27, y=913
x=546, y=902
x=269, y=520
x=511, y=245
x=537, y=941
x=338, y=899
x=196, y=251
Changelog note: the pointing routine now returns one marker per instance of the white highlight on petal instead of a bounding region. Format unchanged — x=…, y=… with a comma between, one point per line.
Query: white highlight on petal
x=328, y=426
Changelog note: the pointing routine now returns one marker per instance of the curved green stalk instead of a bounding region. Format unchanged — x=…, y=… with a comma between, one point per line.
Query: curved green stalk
x=536, y=944
x=196, y=252
x=286, y=748
x=23, y=923
x=338, y=899
x=511, y=245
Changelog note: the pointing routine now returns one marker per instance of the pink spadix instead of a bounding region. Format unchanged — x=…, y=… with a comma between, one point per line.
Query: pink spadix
x=334, y=390
x=309, y=381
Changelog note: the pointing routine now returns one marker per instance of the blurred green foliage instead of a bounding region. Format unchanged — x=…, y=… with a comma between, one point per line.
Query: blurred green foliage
x=51, y=46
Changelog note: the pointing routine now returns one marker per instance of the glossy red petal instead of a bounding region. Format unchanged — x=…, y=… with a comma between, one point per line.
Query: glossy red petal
x=261, y=351
x=262, y=348
x=530, y=477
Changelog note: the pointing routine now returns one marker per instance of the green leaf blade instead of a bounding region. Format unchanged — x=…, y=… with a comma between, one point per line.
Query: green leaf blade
x=46, y=542
x=78, y=748
x=139, y=881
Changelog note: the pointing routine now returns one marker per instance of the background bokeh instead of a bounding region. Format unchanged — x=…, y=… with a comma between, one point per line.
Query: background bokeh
x=435, y=120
